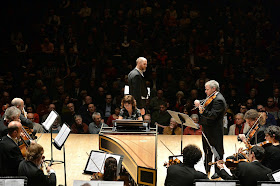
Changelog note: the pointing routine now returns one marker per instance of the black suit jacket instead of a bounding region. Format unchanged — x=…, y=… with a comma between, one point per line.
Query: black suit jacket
x=34, y=175
x=137, y=87
x=248, y=173
x=10, y=157
x=3, y=129
x=212, y=122
x=182, y=175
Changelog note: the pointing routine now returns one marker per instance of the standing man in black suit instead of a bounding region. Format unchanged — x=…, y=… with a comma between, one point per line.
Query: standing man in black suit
x=184, y=173
x=29, y=167
x=248, y=173
x=137, y=84
x=10, y=154
x=212, y=113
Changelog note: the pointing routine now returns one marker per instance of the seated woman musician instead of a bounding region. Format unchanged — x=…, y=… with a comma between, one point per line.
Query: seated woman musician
x=129, y=109
x=110, y=171
x=272, y=149
x=30, y=167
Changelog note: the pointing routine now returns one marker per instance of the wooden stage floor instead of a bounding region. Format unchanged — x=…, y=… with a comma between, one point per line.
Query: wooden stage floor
x=78, y=145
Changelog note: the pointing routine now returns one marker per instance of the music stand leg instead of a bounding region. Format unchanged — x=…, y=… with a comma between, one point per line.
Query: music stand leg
x=64, y=165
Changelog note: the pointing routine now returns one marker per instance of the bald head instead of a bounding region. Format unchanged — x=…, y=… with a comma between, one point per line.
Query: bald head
x=14, y=129
x=18, y=102
x=141, y=63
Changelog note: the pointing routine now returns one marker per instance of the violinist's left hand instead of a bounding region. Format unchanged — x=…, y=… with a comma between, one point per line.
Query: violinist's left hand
x=220, y=164
x=242, y=137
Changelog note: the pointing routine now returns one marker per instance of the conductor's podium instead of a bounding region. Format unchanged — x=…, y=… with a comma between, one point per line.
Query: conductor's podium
x=139, y=150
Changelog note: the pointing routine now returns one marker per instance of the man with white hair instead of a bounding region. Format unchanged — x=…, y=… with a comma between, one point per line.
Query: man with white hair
x=212, y=113
x=137, y=85
x=19, y=103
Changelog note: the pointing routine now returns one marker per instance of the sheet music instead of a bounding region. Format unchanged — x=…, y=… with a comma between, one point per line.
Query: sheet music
x=188, y=121
x=126, y=90
x=97, y=160
x=50, y=119
x=276, y=176
x=62, y=135
x=98, y=183
x=11, y=182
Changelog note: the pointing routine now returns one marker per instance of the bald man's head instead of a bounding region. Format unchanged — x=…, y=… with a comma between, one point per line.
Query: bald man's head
x=14, y=129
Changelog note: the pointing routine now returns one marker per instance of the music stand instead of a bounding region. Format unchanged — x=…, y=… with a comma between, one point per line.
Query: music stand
x=179, y=118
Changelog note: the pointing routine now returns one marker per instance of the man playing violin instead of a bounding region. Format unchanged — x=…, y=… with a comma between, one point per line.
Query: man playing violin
x=184, y=173
x=256, y=133
x=212, y=114
x=10, y=154
x=248, y=173
x=272, y=151
x=31, y=167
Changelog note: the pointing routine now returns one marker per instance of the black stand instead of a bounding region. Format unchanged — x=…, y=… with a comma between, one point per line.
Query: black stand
x=53, y=161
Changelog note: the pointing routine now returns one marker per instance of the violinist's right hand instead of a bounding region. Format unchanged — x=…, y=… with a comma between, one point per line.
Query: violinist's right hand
x=49, y=168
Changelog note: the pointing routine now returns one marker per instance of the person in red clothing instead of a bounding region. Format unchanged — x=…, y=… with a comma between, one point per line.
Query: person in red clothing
x=192, y=131
x=113, y=117
x=79, y=127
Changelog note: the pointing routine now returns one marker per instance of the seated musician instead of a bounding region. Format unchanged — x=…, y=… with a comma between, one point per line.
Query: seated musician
x=110, y=171
x=184, y=173
x=172, y=129
x=10, y=154
x=272, y=151
x=129, y=109
x=248, y=173
x=240, y=126
x=253, y=117
x=30, y=168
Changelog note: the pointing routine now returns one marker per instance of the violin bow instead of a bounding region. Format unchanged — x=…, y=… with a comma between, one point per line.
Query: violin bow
x=167, y=148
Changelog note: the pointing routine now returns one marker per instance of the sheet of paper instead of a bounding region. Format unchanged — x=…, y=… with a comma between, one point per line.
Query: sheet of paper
x=50, y=119
x=126, y=90
x=62, y=135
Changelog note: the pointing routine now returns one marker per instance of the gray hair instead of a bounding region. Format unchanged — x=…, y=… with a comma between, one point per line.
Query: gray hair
x=95, y=114
x=194, y=116
x=11, y=113
x=77, y=116
x=140, y=59
x=16, y=101
x=213, y=84
x=240, y=114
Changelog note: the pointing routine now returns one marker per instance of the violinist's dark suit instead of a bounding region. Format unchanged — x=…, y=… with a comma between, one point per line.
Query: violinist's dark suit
x=212, y=125
x=10, y=157
x=137, y=87
x=35, y=176
x=181, y=174
x=248, y=173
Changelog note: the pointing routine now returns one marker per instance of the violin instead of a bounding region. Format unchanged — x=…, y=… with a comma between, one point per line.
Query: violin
x=97, y=176
x=205, y=102
x=24, y=136
x=230, y=163
x=172, y=162
x=262, y=144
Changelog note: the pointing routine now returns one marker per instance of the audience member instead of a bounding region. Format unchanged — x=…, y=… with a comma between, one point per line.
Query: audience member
x=98, y=122
x=173, y=128
x=193, y=131
x=79, y=127
x=240, y=126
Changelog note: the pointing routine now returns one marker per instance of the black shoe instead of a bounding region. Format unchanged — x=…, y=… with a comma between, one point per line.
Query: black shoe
x=215, y=176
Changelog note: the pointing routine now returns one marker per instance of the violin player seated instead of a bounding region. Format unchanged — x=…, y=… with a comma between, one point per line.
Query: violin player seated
x=184, y=173
x=248, y=173
x=110, y=171
x=272, y=150
x=129, y=109
x=31, y=168
x=172, y=129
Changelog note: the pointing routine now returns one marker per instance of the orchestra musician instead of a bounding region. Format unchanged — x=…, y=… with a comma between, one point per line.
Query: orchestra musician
x=10, y=154
x=31, y=168
x=129, y=109
x=272, y=151
x=255, y=134
x=184, y=173
x=110, y=171
x=212, y=113
x=248, y=173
